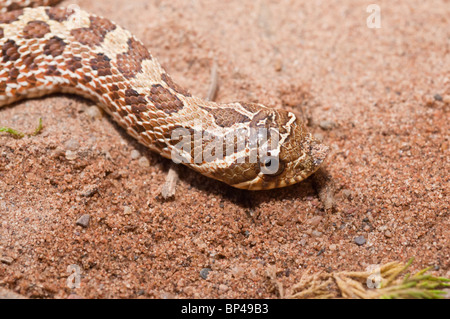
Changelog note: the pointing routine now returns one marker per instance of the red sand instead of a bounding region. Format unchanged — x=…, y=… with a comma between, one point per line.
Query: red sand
x=385, y=94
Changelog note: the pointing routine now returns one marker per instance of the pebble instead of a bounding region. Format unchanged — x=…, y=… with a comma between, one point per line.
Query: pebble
x=144, y=162
x=316, y=233
x=332, y=247
x=135, y=154
x=127, y=210
x=223, y=288
x=360, y=240
x=204, y=272
x=388, y=234
x=89, y=191
x=84, y=220
x=315, y=220
x=327, y=125
x=72, y=145
x=238, y=271
x=438, y=97
x=71, y=155
x=94, y=112
x=278, y=65
x=7, y=260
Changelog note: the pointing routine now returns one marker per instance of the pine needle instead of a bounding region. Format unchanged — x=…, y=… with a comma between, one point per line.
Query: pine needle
x=387, y=282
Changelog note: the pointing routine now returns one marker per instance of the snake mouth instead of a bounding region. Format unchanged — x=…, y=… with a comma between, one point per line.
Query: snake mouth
x=295, y=171
x=259, y=183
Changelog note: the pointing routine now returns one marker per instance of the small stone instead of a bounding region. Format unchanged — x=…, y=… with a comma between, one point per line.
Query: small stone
x=141, y=292
x=237, y=271
x=405, y=147
x=327, y=125
x=438, y=97
x=204, y=272
x=316, y=233
x=278, y=65
x=388, y=234
x=360, y=240
x=332, y=247
x=71, y=155
x=72, y=145
x=135, y=154
x=315, y=220
x=7, y=260
x=446, y=99
x=223, y=288
x=94, y=112
x=144, y=162
x=428, y=100
x=89, y=191
x=127, y=210
x=84, y=220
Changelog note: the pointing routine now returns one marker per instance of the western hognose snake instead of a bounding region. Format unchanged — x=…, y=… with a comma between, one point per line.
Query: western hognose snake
x=46, y=50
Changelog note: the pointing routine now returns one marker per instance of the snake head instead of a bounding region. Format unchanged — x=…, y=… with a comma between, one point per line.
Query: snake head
x=295, y=156
x=288, y=155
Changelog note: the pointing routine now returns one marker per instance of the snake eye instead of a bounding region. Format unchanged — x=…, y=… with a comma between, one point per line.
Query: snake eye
x=271, y=165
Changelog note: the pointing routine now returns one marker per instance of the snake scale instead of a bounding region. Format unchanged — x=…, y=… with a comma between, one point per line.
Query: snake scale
x=45, y=49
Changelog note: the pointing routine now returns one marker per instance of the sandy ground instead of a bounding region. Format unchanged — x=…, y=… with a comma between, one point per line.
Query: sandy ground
x=379, y=98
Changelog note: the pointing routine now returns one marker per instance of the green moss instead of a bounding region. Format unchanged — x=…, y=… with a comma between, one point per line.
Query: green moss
x=18, y=134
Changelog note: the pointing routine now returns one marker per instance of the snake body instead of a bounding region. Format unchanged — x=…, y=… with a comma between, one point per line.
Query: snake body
x=44, y=50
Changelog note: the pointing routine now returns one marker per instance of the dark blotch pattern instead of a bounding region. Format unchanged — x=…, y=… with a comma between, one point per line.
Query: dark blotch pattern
x=52, y=70
x=10, y=51
x=9, y=17
x=226, y=117
x=2, y=87
x=54, y=47
x=129, y=63
x=13, y=6
x=74, y=63
x=166, y=78
x=101, y=26
x=1, y=33
x=137, y=101
x=114, y=95
x=36, y=29
x=13, y=74
x=164, y=100
x=59, y=14
x=95, y=34
x=29, y=62
x=251, y=107
x=101, y=63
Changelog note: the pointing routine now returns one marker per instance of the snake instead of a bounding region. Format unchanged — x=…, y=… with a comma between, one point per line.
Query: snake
x=46, y=49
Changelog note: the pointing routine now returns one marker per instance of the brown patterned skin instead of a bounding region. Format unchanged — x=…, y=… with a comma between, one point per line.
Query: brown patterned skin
x=45, y=50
